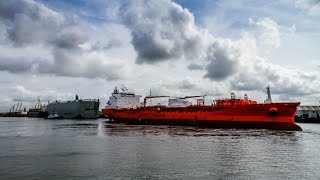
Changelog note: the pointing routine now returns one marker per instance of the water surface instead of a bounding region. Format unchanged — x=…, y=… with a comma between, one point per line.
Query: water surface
x=97, y=149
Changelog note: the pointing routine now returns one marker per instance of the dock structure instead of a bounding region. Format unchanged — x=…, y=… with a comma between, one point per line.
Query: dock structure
x=308, y=114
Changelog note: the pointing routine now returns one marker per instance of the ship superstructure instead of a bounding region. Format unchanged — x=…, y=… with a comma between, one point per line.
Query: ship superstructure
x=123, y=99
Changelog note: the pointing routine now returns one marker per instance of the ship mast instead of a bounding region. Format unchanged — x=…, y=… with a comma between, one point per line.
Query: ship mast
x=268, y=100
x=150, y=99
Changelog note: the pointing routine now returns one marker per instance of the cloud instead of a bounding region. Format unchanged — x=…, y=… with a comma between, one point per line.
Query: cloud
x=30, y=22
x=80, y=64
x=37, y=39
x=70, y=38
x=41, y=40
x=194, y=66
x=224, y=59
x=268, y=34
x=312, y=6
x=282, y=81
x=162, y=30
x=112, y=43
x=189, y=86
x=20, y=93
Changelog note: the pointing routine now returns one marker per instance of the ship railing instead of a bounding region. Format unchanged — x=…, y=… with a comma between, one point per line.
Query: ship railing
x=119, y=107
x=61, y=101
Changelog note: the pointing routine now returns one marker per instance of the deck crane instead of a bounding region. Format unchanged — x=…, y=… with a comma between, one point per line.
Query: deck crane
x=186, y=97
x=151, y=97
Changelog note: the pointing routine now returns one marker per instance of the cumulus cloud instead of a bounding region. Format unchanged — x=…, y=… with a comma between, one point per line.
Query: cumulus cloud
x=281, y=80
x=29, y=22
x=162, y=30
x=268, y=34
x=224, y=59
x=41, y=40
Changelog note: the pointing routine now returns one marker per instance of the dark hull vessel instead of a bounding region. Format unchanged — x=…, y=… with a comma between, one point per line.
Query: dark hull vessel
x=37, y=113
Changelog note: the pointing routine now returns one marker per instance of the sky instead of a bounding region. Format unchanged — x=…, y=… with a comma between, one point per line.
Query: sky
x=57, y=49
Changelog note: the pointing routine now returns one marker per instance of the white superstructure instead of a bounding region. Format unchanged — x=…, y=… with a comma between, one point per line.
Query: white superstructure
x=124, y=99
x=176, y=102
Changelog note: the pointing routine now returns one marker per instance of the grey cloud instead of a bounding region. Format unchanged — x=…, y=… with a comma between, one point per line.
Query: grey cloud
x=9, y=8
x=185, y=84
x=149, y=50
x=25, y=30
x=163, y=30
x=33, y=28
x=220, y=68
x=223, y=62
x=74, y=63
x=14, y=65
x=30, y=22
x=194, y=66
x=70, y=37
x=110, y=44
x=247, y=82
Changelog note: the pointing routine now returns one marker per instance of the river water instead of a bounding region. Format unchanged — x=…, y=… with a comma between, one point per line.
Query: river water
x=33, y=148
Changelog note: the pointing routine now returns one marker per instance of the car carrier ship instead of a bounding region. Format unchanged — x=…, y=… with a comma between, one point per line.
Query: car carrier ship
x=230, y=112
x=78, y=108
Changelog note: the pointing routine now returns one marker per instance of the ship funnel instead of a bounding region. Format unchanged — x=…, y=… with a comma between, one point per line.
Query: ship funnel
x=245, y=97
x=233, y=95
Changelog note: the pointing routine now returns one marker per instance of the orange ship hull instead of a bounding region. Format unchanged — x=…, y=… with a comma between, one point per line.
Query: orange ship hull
x=278, y=116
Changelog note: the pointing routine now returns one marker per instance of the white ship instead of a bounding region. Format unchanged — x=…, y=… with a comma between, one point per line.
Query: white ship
x=78, y=108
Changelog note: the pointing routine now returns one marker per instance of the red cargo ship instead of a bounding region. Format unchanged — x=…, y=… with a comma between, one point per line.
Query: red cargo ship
x=222, y=113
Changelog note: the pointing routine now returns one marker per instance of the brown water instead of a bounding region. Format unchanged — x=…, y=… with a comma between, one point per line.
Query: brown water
x=97, y=149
